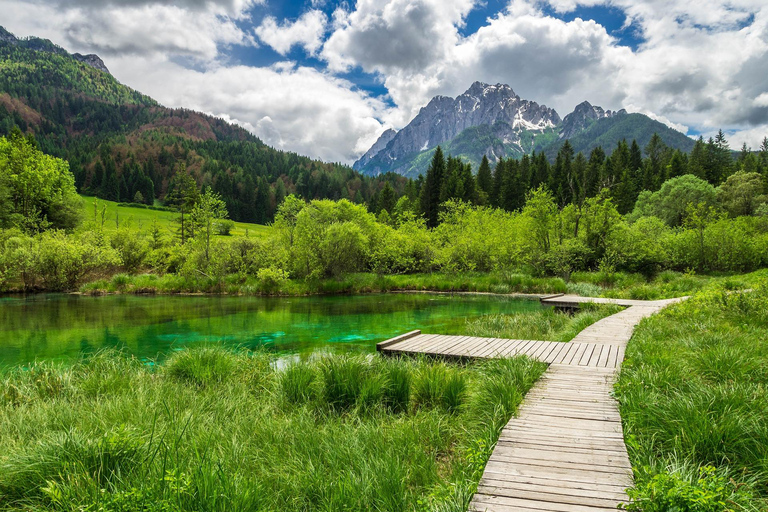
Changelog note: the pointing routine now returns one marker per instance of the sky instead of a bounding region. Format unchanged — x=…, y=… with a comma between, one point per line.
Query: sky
x=325, y=78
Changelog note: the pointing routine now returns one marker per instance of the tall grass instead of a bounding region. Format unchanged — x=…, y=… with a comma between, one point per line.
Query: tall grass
x=546, y=324
x=241, y=284
x=694, y=400
x=214, y=430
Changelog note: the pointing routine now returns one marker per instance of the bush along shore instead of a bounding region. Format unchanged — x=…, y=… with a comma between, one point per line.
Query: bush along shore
x=215, y=430
x=694, y=401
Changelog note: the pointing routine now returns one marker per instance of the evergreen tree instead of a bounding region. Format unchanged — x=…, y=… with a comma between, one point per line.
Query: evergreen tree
x=722, y=162
x=183, y=195
x=430, y=190
x=498, y=183
x=110, y=186
x=579, y=170
x=484, y=180
x=562, y=175
x=621, y=177
x=387, y=198
x=698, y=160
x=654, y=168
x=591, y=181
x=677, y=166
x=764, y=157
x=514, y=189
x=541, y=170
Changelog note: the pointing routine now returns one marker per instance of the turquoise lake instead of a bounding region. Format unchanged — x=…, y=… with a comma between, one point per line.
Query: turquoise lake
x=65, y=327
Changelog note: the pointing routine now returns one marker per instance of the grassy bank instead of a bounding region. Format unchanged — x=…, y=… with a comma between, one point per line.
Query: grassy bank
x=546, y=324
x=594, y=284
x=694, y=400
x=213, y=430
x=238, y=284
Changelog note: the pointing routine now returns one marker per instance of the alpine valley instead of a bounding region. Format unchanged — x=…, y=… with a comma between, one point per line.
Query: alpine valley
x=493, y=121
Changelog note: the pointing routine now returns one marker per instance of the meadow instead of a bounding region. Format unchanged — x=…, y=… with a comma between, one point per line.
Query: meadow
x=693, y=400
x=216, y=430
x=112, y=215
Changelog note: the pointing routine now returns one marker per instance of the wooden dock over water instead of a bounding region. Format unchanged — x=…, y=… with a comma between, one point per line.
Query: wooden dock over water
x=564, y=451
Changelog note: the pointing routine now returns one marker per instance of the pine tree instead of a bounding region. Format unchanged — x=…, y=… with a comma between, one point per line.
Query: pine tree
x=722, y=161
x=430, y=190
x=484, y=178
x=579, y=170
x=653, y=166
x=514, y=190
x=677, y=166
x=387, y=198
x=110, y=186
x=183, y=195
x=591, y=181
x=698, y=161
x=562, y=174
x=498, y=183
x=764, y=157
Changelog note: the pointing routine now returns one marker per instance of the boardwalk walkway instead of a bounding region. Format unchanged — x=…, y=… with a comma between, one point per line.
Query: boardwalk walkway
x=565, y=451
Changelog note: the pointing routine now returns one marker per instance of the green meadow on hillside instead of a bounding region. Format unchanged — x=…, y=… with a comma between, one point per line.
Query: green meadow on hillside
x=142, y=218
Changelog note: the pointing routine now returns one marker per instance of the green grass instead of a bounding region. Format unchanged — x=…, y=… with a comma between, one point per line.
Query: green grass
x=546, y=324
x=694, y=401
x=238, y=284
x=215, y=430
x=665, y=285
x=142, y=219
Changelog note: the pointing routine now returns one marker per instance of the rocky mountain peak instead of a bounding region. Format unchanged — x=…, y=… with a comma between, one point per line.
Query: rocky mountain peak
x=444, y=118
x=379, y=145
x=582, y=116
x=92, y=60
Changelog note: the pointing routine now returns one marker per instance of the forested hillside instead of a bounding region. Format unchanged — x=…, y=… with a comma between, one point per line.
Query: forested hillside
x=122, y=145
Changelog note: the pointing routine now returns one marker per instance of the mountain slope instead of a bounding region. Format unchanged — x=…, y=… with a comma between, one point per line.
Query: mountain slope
x=120, y=142
x=608, y=131
x=491, y=120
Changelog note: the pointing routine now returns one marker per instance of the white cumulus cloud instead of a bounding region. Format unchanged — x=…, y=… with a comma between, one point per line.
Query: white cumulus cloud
x=307, y=31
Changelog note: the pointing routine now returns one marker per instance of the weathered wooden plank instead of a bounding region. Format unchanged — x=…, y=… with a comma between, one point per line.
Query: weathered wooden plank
x=396, y=339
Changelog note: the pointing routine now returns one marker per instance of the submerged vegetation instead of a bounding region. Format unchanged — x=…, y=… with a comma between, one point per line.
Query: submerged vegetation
x=694, y=403
x=215, y=430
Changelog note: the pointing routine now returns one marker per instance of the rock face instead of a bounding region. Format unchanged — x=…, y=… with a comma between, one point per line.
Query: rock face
x=92, y=60
x=582, y=116
x=44, y=45
x=444, y=118
x=380, y=144
x=7, y=37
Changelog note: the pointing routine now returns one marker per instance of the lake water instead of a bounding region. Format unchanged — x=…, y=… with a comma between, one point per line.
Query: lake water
x=61, y=327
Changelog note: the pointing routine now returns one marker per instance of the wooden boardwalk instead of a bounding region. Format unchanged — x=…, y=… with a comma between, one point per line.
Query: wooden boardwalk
x=564, y=451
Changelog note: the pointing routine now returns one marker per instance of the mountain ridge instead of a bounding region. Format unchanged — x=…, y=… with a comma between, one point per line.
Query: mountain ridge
x=507, y=127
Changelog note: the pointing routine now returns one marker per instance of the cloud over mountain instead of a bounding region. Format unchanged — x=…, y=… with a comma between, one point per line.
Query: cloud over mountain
x=357, y=69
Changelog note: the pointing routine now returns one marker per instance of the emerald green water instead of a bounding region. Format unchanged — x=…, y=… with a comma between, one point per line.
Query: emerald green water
x=62, y=327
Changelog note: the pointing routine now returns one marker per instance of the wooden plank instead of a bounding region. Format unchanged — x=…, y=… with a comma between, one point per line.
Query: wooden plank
x=397, y=339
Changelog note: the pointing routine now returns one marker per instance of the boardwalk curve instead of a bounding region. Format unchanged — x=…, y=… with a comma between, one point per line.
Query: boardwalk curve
x=564, y=451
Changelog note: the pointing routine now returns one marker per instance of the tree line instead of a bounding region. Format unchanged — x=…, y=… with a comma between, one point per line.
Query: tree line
x=573, y=178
